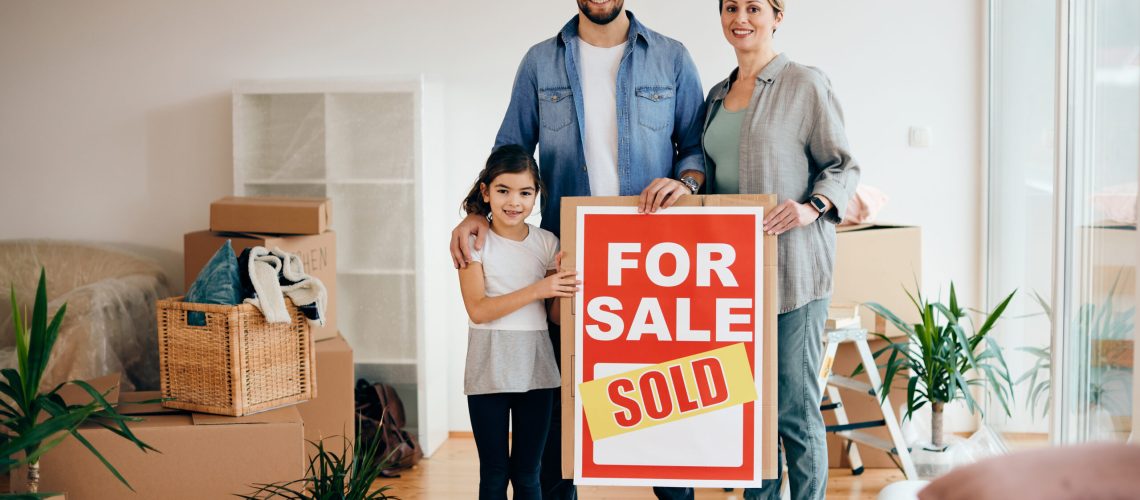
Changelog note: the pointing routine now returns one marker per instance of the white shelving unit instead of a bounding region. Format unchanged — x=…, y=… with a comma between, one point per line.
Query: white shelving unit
x=368, y=146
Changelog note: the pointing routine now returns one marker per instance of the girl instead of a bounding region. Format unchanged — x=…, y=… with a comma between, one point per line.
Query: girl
x=511, y=371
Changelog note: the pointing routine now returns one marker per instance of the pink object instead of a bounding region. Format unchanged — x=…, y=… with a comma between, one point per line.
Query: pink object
x=866, y=204
x=1103, y=470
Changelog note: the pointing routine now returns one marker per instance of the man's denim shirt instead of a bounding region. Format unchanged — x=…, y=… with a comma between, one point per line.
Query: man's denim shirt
x=660, y=108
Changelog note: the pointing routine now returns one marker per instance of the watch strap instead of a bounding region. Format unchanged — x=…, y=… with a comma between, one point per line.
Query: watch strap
x=818, y=204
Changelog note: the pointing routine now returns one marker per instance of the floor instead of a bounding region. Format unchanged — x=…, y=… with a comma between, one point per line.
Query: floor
x=453, y=472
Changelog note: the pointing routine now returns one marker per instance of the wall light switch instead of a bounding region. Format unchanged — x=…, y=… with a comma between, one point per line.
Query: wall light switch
x=920, y=137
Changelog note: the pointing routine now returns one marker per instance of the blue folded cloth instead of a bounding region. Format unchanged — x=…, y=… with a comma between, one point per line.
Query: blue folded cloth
x=219, y=282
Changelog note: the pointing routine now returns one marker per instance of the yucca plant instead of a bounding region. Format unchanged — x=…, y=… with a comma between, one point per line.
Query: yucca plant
x=1094, y=323
x=34, y=421
x=331, y=476
x=943, y=360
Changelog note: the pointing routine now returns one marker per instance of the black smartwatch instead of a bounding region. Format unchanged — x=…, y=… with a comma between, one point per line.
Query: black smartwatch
x=818, y=203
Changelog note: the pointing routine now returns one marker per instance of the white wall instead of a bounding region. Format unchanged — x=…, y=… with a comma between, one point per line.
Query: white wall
x=115, y=123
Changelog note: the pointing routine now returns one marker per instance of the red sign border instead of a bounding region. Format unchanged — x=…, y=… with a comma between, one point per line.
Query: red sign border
x=634, y=475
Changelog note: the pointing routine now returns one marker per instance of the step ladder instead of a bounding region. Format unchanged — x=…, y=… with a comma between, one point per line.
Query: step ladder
x=852, y=431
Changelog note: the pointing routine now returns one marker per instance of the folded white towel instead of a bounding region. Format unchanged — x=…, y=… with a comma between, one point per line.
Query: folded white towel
x=263, y=270
x=305, y=289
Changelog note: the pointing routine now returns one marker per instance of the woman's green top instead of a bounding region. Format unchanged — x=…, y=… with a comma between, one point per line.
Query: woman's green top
x=722, y=143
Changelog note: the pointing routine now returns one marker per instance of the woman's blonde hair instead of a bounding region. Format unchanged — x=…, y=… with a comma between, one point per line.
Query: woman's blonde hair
x=777, y=5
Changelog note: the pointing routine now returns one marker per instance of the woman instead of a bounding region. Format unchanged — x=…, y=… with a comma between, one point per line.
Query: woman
x=774, y=127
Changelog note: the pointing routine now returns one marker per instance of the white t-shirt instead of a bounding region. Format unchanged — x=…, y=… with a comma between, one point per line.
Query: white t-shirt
x=598, y=68
x=510, y=265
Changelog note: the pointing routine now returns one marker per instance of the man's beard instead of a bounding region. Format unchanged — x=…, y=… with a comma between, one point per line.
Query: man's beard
x=603, y=18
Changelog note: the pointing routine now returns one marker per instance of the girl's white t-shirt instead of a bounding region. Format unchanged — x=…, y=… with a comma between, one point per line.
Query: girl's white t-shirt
x=510, y=265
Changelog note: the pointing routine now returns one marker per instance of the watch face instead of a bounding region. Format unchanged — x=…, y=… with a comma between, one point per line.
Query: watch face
x=691, y=183
x=817, y=203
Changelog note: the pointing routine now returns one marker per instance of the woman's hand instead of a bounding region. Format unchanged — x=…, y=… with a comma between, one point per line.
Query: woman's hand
x=661, y=193
x=460, y=246
x=789, y=215
x=560, y=284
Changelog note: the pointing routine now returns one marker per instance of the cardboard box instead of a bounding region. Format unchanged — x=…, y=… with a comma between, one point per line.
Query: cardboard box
x=862, y=408
x=768, y=410
x=1112, y=256
x=873, y=263
x=318, y=253
x=333, y=411
x=271, y=215
x=202, y=456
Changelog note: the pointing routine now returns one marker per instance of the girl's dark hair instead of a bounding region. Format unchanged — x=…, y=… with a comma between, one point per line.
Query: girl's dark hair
x=509, y=159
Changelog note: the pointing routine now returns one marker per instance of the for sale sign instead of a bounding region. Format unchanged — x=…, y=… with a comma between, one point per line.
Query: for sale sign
x=669, y=331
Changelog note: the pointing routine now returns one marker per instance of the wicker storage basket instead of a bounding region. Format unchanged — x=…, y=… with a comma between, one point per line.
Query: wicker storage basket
x=237, y=364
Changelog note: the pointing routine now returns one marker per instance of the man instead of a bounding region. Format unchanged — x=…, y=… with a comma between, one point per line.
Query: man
x=615, y=109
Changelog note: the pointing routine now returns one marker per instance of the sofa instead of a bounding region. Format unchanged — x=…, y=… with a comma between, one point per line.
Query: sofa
x=110, y=321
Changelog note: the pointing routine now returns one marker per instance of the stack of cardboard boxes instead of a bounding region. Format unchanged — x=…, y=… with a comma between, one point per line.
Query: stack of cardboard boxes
x=872, y=264
x=210, y=456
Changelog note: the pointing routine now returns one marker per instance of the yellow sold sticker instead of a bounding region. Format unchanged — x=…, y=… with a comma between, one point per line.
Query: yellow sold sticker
x=669, y=391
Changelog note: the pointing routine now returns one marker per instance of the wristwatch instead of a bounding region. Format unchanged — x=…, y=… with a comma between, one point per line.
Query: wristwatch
x=691, y=183
x=818, y=204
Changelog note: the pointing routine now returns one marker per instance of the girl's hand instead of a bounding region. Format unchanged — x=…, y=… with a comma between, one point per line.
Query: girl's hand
x=559, y=284
x=789, y=215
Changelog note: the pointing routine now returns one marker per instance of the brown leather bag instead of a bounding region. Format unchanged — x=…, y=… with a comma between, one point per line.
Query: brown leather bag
x=380, y=415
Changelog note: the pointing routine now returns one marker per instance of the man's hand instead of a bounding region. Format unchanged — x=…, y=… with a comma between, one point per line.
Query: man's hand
x=661, y=193
x=460, y=246
x=789, y=215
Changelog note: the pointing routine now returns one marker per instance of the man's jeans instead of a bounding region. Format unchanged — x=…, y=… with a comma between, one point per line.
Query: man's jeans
x=800, y=424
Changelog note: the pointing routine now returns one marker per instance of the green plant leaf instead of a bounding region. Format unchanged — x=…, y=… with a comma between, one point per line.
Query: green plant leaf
x=46, y=342
x=997, y=389
x=1003, y=369
x=28, y=429
x=344, y=476
x=1044, y=305
x=993, y=316
x=967, y=351
x=87, y=444
x=21, y=333
x=890, y=316
x=37, y=357
x=13, y=387
x=51, y=336
x=33, y=437
x=956, y=312
x=893, y=366
x=961, y=384
x=106, y=411
x=946, y=313
x=911, y=393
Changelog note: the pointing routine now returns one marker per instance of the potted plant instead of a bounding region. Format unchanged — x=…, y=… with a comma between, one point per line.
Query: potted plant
x=34, y=421
x=330, y=476
x=1105, y=341
x=943, y=360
